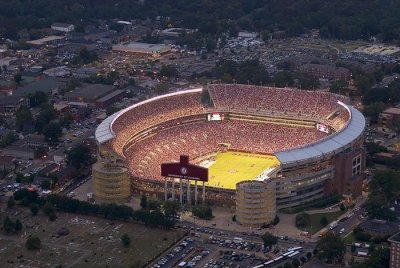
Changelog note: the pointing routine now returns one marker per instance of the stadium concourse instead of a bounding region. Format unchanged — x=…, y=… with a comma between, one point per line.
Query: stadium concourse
x=316, y=138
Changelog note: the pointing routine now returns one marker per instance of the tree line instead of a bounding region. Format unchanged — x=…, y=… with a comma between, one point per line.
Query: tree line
x=161, y=216
x=335, y=19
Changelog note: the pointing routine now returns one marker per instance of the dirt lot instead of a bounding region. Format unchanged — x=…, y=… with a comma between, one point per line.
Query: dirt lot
x=91, y=242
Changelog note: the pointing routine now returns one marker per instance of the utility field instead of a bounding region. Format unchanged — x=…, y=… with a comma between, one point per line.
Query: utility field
x=230, y=168
x=91, y=242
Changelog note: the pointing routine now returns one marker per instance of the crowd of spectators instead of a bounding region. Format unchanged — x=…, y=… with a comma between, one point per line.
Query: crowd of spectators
x=202, y=138
x=153, y=113
x=301, y=103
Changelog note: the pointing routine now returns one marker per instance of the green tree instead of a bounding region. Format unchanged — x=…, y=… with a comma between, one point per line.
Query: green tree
x=18, y=78
x=283, y=79
x=8, y=225
x=323, y=221
x=33, y=243
x=48, y=208
x=169, y=70
x=10, y=202
x=296, y=263
x=37, y=98
x=288, y=265
x=161, y=88
x=34, y=209
x=331, y=248
x=342, y=207
x=52, y=132
x=23, y=116
x=17, y=226
x=143, y=201
x=269, y=239
x=79, y=156
x=126, y=240
x=202, y=211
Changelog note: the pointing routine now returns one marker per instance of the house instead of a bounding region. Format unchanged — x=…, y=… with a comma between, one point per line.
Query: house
x=48, y=85
x=62, y=27
x=10, y=104
x=379, y=227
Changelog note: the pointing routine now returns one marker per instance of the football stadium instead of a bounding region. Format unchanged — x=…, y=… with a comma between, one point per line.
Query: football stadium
x=304, y=144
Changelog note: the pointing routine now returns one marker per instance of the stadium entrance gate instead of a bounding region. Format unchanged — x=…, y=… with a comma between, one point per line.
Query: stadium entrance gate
x=184, y=171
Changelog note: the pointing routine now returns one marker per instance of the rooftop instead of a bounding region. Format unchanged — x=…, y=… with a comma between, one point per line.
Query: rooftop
x=46, y=85
x=90, y=91
x=44, y=40
x=392, y=110
x=141, y=47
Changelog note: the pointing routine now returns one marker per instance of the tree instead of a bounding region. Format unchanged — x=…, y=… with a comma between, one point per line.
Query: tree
x=296, y=263
x=203, y=212
x=143, y=201
x=161, y=88
x=18, y=78
x=331, y=248
x=323, y=221
x=34, y=209
x=288, y=265
x=269, y=239
x=169, y=70
x=37, y=98
x=45, y=184
x=48, y=208
x=283, y=79
x=265, y=35
x=79, y=156
x=171, y=209
x=23, y=116
x=10, y=202
x=33, y=243
x=309, y=255
x=8, y=225
x=302, y=220
x=52, y=132
x=126, y=240
x=18, y=225
x=342, y=207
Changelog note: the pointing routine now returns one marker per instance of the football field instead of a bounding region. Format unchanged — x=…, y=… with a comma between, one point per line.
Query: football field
x=230, y=168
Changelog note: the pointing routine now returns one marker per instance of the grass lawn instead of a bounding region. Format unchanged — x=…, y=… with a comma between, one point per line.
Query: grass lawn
x=350, y=238
x=313, y=222
x=233, y=167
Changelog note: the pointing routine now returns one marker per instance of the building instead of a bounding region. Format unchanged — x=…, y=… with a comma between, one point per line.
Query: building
x=49, y=86
x=394, y=251
x=111, y=180
x=142, y=50
x=174, y=33
x=376, y=227
x=255, y=202
x=89, y=93
x=302, y=174
x=20, y=152
x=48, y=40
x=62, y=27
x=326, y=71
x=111, y=98
x=10, y=104
x=389, y=119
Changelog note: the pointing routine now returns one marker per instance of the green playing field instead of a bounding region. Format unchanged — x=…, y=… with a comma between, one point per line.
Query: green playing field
x=233, y=167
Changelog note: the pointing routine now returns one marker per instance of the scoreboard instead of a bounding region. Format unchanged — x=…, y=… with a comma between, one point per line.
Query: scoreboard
x=323, y=128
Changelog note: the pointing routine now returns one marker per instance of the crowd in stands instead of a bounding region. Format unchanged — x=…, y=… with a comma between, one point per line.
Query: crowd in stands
x=153, y=113
x=202, y=138
x=310, y=104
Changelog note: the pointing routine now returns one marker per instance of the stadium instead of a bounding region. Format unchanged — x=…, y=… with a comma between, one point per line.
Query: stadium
x=309, y=143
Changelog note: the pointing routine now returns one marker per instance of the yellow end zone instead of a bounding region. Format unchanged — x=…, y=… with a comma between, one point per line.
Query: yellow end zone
x=230, y=168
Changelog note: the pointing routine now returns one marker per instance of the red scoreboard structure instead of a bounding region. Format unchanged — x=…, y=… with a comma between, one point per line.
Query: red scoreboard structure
x=187, y=172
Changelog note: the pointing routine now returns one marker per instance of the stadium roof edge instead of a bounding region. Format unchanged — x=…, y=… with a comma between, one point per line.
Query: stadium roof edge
x=331, y=145
x=104, y=131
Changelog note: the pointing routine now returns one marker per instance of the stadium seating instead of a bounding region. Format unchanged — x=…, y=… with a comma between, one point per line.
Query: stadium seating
x=203, y=138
